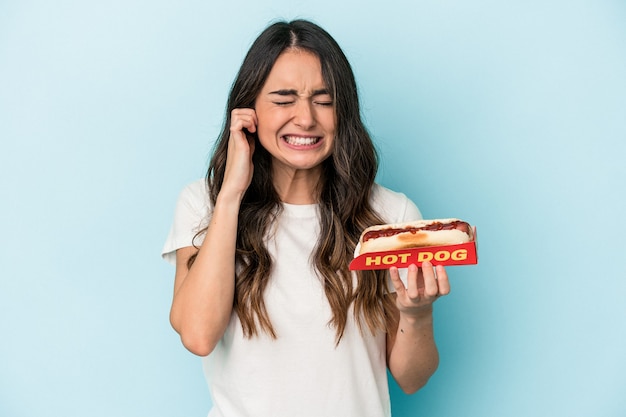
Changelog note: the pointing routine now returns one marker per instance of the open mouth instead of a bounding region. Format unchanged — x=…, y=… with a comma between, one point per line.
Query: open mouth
x=301, y=140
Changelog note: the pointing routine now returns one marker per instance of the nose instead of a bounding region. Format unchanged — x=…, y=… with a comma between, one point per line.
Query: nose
x=304, y=114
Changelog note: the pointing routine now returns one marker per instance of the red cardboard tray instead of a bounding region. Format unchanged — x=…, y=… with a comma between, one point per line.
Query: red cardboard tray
x=460, y=254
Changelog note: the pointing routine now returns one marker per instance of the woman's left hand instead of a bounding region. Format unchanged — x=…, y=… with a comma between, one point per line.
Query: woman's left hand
x=424, y=286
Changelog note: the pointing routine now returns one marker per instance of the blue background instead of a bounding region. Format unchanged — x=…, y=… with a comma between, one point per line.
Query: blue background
x=511, y=115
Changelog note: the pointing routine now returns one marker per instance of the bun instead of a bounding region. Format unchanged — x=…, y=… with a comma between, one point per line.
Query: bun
x=415, y=234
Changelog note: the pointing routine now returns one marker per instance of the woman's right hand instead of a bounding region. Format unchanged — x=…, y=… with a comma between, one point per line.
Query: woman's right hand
x=239, y=166
x=204, y=294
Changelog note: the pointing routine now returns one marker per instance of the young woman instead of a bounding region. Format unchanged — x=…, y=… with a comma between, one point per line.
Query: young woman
x=262, y=246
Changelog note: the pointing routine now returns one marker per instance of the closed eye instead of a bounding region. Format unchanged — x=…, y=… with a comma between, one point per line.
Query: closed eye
x=320, y=97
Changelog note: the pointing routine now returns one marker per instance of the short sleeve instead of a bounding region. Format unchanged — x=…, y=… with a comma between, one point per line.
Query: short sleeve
x=394, y=207
x=190, y=216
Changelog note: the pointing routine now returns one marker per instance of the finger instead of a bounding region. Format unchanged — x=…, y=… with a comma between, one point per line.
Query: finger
x=252, y=123
x=243, y=119
x=413, y=282
x=240, y=123
x=431, y=289
x=396, y=281
x=242, y=111
x=442, y=280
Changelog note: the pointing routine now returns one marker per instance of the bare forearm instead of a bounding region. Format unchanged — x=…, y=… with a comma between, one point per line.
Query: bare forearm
x=414, y=356
x=203, y=297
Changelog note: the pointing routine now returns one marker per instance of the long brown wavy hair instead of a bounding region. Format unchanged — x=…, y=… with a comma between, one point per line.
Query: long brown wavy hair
x=345, y=189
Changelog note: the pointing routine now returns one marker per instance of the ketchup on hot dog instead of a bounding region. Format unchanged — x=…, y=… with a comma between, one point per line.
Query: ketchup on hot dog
x=457, y=224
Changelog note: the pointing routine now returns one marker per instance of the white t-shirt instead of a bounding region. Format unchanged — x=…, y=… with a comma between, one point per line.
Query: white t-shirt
x=302, y=372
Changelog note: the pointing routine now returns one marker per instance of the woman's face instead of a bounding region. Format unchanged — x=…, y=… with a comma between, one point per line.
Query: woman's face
x=295, y=112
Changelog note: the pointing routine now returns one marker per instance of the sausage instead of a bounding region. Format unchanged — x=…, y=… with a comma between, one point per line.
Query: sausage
x=416, y=234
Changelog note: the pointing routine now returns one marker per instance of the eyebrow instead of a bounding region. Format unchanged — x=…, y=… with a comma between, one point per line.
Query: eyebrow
x=285, y=92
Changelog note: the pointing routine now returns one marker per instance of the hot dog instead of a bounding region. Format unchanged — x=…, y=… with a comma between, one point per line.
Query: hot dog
x=416, y=234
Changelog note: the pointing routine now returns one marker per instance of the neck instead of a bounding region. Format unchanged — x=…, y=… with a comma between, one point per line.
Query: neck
x=297, y=186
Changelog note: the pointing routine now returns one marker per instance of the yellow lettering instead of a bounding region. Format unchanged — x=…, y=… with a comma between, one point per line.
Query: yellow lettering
x=369, y=261
x=459, y=255
x=424, y=256
x=390, y=259
x=404, y=257
x=442, y=255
